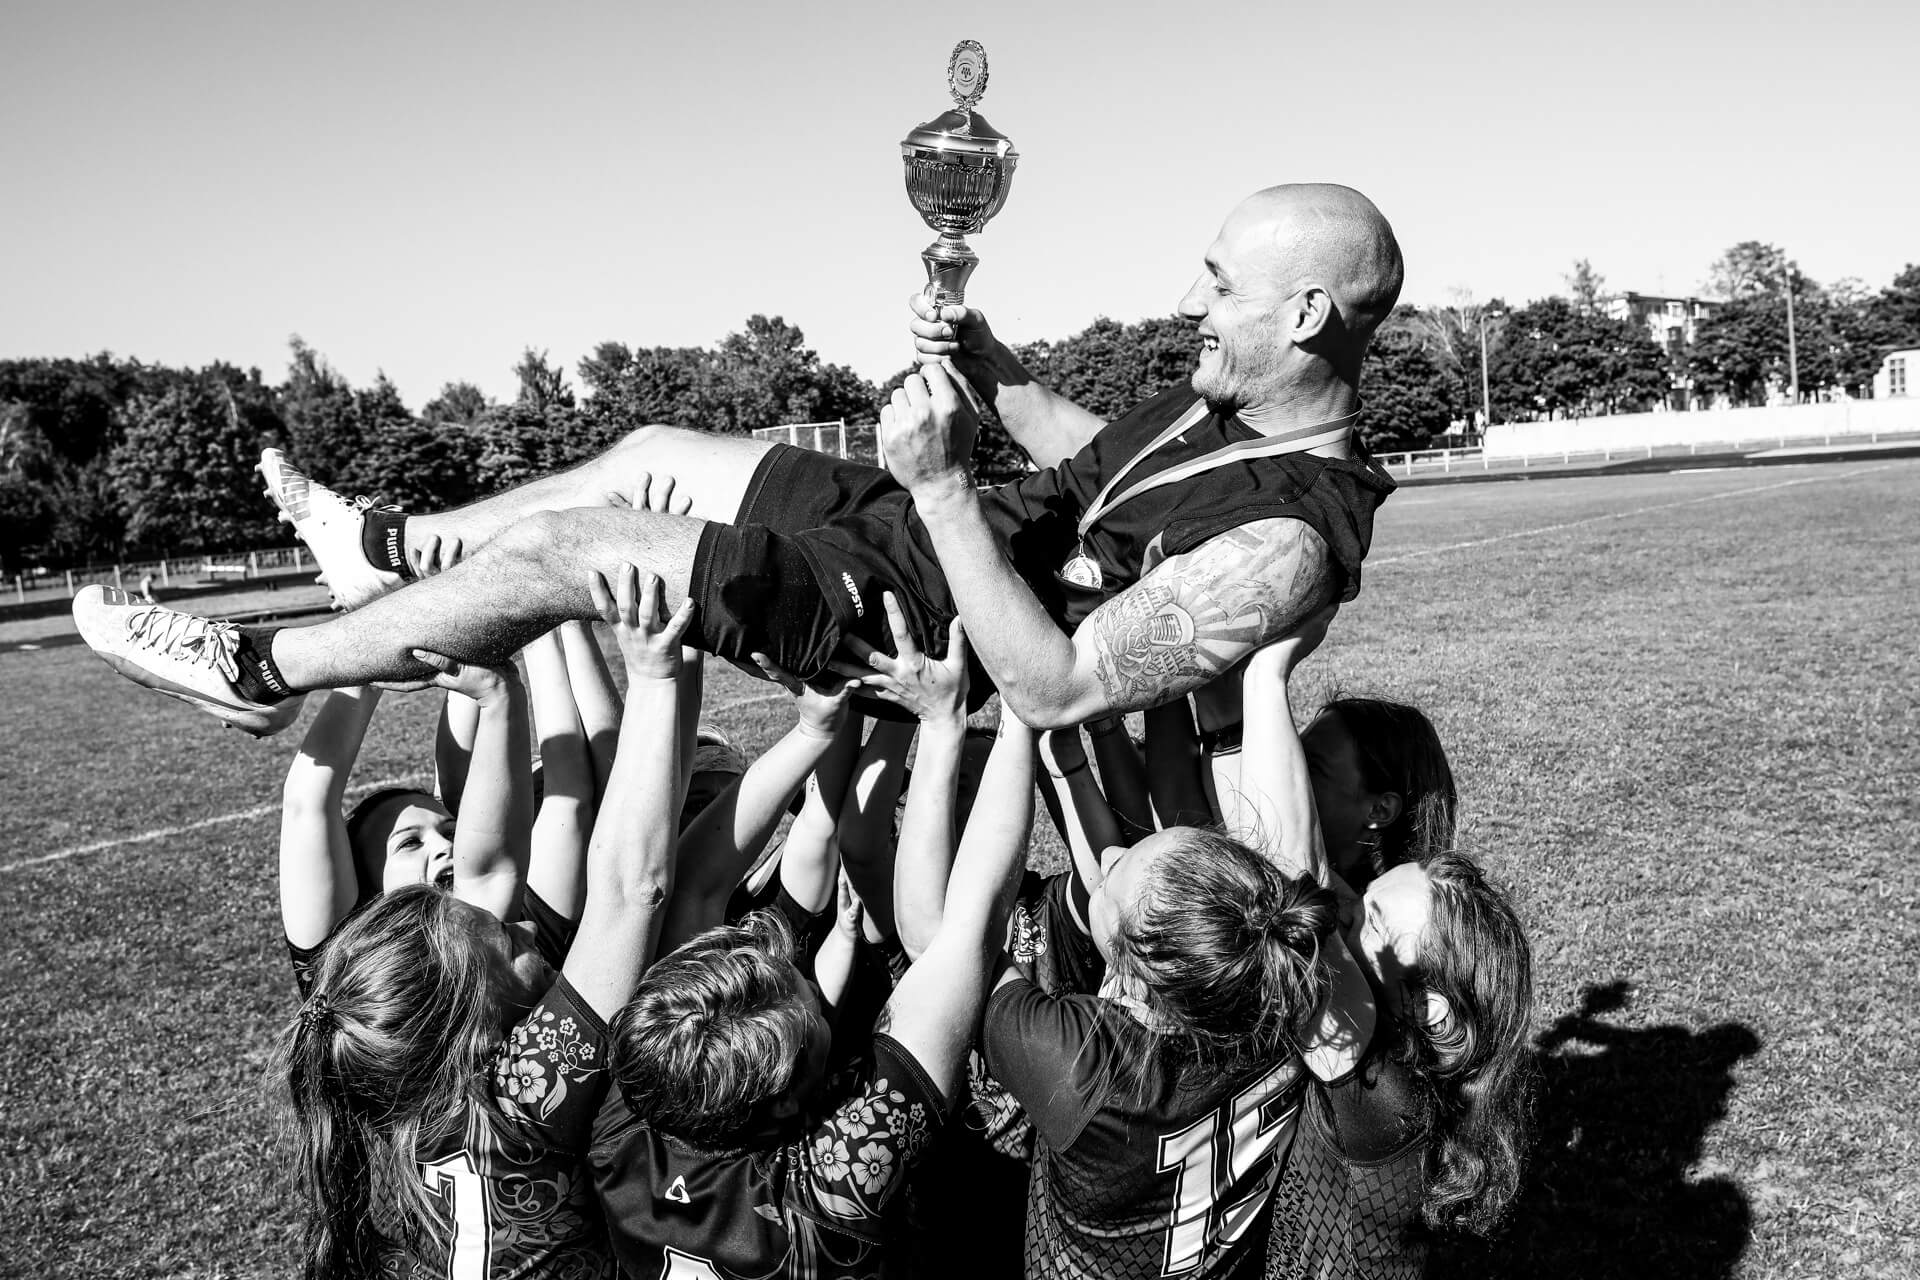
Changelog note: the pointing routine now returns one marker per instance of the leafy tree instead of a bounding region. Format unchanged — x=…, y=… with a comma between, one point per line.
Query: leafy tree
x=1895, y=313
x=1109, y=367
x=1585, y=286
x=631, y=388
x=323, y=428
x=766, y=375
x=458, y=402
x=1410, y=397
x=1554, y=360
x=183, y=471
x=1748, y=269
x=542, y=385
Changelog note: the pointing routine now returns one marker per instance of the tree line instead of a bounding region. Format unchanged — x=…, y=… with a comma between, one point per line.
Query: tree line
x=106, y=459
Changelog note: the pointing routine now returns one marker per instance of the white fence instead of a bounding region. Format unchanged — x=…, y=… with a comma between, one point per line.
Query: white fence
x=1845, y=420
x=128, y=575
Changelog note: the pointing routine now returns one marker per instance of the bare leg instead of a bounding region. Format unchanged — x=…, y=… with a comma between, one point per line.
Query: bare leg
x=528, y=580
x=710, y=470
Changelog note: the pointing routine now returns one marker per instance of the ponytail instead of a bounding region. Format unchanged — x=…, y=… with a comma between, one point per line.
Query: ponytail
x=406, y=1012
x=1228, y=949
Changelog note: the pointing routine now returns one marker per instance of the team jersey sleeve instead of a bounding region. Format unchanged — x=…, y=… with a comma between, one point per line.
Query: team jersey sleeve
x=305, y=962
x=851, y=1164
x=552, y=932
x=1049, y=1053
x=550, y=1075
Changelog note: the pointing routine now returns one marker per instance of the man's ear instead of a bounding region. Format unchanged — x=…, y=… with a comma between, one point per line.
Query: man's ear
x=1383, y=809
x=1313, y=313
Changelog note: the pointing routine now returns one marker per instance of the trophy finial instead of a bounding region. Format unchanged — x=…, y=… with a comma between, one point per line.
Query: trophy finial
x=967, y=74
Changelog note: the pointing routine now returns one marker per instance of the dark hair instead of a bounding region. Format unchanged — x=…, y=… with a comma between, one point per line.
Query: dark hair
x=405, y=1014
x=366, y=865
x=714, y=1032
x=1228, y=948
x=1400, y=753
x=1475, y=1064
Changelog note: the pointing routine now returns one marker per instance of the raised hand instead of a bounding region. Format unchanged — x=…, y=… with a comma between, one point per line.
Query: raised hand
x=649, y=640
x=484, y=684
x=822, y=705
x=954, y=332
x=931, y=689
x=927, y=429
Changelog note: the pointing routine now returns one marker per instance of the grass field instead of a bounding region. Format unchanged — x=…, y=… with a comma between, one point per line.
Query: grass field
x=1685, y=710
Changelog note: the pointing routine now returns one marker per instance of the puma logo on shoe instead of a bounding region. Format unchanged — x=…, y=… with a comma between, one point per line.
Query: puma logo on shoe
x=677, y=1191
x=859, y=609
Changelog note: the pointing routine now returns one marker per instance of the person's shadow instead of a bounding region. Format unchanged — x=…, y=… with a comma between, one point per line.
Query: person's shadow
x=1622, y=1116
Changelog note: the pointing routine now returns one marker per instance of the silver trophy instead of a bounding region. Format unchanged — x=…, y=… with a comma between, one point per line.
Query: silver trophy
x=959, y=168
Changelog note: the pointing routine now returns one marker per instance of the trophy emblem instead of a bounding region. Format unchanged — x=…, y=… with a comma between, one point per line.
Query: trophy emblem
x=959, y=168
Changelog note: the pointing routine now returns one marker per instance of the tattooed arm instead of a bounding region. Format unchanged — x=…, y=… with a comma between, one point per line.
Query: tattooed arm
x=1188, y=620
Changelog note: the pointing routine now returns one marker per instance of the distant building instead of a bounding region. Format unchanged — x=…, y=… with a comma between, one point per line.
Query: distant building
x=1899, y=374
x=1671, y=322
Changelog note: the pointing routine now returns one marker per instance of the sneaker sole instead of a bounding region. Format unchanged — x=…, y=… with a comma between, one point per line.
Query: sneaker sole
x=260, y=722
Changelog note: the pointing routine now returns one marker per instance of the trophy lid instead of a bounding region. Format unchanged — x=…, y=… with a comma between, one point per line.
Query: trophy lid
x=960, y=130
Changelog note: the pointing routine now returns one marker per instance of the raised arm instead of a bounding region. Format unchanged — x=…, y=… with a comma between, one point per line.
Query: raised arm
x=1175, y=780
x=1076, y=803
x=935, y=1008
x=493, y=829
x=595, y=698
x=1191, y=618
x=1277, y=817
x=866, y=819
x=721, y=843
x=1050, y=427
x=630, y=857
x=936, y=693
x=557, y=869
x=317, y=883
x=1123, y=776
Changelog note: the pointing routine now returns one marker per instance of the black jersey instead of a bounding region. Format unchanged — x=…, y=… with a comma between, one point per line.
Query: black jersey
x=1140, y=1169
x=1348, y=1204
x=1036, y=517
x=799, y=1205
x=511, y=1184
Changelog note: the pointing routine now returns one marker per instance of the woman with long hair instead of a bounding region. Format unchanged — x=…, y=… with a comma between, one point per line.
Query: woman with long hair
x=1429, y=1128
x=444, y=1077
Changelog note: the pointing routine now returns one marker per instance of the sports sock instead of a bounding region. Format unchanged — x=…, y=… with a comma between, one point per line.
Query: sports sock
x=383, y=537
x=259, y=679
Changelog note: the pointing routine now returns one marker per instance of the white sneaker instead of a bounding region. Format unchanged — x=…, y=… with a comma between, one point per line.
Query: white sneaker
x=330, y=526
x=176, y=654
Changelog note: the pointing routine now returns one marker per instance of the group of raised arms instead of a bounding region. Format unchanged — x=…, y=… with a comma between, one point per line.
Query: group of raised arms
x=598, y=1022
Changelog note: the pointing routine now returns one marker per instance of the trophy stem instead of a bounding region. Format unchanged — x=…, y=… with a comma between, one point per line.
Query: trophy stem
x=949, y=262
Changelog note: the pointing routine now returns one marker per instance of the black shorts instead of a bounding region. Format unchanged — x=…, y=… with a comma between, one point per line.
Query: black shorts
x=817, y=542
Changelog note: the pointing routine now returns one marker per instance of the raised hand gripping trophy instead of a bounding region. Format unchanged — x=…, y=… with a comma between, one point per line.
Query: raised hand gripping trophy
x=959, y=168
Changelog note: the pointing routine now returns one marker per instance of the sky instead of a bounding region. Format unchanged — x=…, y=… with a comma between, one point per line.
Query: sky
x=428, y=188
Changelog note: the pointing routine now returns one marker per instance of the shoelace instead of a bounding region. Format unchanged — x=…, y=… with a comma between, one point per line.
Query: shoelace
x=190, y=639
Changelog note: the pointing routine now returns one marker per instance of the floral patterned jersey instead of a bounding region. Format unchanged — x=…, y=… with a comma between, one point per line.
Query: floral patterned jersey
x=809, y=1206
x=514, y=1186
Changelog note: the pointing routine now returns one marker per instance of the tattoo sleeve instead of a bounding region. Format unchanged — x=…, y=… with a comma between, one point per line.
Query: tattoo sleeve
x=1196, y=615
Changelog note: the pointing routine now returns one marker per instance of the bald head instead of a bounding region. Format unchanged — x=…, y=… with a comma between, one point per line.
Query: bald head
x=1295, y=285
x=1335, y=238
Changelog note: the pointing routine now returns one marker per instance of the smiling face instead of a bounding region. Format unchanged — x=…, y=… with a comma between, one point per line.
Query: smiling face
x=1239, y=305
x=1386, y=939
x=406, y=839
x=1349, y=813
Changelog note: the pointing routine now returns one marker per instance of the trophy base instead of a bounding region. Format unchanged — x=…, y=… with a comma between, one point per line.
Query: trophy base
x=949, y=262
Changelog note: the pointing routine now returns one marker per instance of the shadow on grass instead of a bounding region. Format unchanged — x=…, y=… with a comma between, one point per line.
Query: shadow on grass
x=1623, y=1113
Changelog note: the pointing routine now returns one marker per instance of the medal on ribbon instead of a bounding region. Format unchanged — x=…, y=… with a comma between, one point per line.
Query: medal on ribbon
x=1082, y=570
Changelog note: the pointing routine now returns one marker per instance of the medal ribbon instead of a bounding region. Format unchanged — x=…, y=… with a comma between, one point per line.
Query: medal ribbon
x=1298, y=440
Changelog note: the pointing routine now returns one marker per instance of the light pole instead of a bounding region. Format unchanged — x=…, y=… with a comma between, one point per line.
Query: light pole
x=1486, y=393
x=1793, y=348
